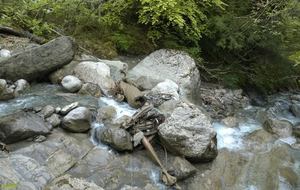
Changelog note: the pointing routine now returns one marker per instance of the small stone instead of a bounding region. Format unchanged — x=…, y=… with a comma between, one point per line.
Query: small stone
x=37, y=109
x=69, y=107
x=106, y=113
x=90, y=89
x=77, y=120
x=71, y=83
x=47, y=111
x=230, y=121
x=5, y=53
x=57, y=110
x=181, y=168
x=21, y=86
x=40, y=138
x=54, y=120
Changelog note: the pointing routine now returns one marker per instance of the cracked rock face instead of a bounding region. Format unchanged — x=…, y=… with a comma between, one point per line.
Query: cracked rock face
x=189, y=133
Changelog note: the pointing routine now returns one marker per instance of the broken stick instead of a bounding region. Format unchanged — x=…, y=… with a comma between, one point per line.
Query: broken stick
x=167, y=178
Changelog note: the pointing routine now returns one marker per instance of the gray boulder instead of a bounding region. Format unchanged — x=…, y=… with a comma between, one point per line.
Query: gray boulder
x=71, y=83
x=188, y=132
x=38, y=62
x=21, y=86
x=166, y=64
x=20, y=126
x=96, y=73
x=77, y=120
x=280, y=128
x=117, y=138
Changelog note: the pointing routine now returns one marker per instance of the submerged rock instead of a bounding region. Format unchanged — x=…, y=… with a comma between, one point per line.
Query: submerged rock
x=77, y=120
x=117, y=138
x=71, y=83
x=38, y=62
x=106, y=114
x=281, y=128
x=166, y=64
x=20, y=126
x=189, y=133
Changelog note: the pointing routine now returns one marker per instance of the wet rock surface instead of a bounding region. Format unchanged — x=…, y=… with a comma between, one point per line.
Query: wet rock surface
x=22, y=125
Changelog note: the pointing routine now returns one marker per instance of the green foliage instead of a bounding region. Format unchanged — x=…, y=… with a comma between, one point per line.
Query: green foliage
x=233, y=41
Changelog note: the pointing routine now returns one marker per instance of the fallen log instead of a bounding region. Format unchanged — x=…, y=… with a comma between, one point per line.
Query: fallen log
x=25, y=34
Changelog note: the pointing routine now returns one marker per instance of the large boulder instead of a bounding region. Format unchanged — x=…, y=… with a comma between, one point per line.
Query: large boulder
x=96, y=73
x=77, y=120
x=166, y=64
x=22, y=125
x=281, y=128
x=38, y=62
x=71, y=83
x=189, y=133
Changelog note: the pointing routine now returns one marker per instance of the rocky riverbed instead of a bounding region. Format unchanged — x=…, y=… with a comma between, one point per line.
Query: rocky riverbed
x=53, y=131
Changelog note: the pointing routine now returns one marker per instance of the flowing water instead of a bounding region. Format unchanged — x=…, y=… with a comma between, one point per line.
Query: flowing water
x=249, y=157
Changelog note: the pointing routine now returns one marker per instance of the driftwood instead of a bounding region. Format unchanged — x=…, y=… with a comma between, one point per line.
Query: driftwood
x=167, y=178
x=25, y=34
x=142, y=124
